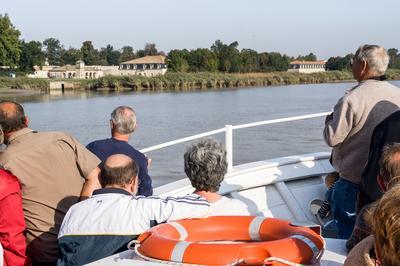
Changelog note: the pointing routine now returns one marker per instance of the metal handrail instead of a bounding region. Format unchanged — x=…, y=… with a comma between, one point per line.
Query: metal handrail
x=228, y=129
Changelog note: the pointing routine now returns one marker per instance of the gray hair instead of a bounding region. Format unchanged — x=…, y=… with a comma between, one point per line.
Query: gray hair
x=206, y=165
x=123, y=119
x=376, y=57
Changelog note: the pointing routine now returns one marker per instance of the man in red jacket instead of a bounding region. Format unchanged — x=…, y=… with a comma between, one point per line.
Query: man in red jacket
x=12, y=222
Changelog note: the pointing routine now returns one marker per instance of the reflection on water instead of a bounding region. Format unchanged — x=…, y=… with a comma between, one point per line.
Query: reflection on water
x=168, y=116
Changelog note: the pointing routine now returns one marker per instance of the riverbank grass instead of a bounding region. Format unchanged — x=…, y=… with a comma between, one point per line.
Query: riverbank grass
x=187, y=81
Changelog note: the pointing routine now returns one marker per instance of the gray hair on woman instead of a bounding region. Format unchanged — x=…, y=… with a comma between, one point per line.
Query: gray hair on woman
x=376, y=57
x=206, y=165
x=123, y=119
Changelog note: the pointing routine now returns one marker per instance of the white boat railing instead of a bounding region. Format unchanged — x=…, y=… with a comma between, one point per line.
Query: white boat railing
x=228, y=129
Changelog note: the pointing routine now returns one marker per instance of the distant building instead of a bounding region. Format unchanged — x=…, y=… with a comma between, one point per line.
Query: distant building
x=145, y=66
x=78, y=71
x=307, y=66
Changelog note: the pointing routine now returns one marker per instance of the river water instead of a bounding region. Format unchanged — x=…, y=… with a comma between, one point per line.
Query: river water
x=168, y=116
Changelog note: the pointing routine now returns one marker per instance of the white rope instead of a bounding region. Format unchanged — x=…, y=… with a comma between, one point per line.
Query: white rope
x=136, y=249
x=267, y=260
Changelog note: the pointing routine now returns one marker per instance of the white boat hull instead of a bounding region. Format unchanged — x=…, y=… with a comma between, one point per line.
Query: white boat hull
x=280, y=188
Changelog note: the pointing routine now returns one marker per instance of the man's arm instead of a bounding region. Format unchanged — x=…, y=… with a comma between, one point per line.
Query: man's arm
x=145, y=185
x=170, y=208
x=339, y=124
x=12, y=227
x=91, y=183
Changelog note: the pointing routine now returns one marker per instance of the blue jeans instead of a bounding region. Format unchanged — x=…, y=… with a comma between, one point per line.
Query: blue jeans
x=344, y=199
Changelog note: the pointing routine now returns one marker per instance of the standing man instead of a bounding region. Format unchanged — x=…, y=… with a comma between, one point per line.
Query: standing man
x=349, y=128
x=123, y=124
x=54, y=170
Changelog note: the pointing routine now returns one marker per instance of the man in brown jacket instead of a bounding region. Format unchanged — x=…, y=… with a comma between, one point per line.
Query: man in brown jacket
x=54, y=170
x=349, y=128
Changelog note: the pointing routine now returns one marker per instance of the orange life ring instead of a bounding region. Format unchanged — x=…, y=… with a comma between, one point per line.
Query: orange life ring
x=257, y=240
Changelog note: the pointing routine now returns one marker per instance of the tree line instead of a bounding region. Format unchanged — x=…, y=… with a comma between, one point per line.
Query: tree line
x=220, y=57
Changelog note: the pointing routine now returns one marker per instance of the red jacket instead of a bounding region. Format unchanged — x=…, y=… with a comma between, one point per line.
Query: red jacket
x=12, y=222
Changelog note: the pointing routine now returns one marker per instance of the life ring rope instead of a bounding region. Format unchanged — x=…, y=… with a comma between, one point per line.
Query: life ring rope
x=136, y=246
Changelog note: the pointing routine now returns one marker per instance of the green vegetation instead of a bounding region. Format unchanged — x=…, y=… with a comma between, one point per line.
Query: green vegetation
x=210, y=80
x=24, y=83
x=189, y=81
x=10, y=49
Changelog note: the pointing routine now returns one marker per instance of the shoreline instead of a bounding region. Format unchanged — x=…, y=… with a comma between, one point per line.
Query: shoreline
x=178, y=82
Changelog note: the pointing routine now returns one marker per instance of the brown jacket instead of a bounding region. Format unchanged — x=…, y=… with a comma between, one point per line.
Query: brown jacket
x=51, y=168
x=349, y=128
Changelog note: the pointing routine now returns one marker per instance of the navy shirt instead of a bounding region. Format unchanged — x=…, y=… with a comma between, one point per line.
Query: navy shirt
x=107, y=147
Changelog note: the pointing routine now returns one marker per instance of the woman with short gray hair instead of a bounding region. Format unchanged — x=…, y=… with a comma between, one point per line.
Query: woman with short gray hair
x=206, y=166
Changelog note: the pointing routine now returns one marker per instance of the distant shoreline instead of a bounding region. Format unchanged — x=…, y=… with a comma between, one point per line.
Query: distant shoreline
x=181, y=81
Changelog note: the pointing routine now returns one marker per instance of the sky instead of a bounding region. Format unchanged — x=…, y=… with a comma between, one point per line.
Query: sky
x=293, y=27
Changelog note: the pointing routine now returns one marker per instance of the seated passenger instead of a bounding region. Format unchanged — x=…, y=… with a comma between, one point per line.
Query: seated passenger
x=381, y=248
x=385, y=133
x=103, y=224
x=123, y=124
x=12, y=221
x=389, y=176
x=206, y=166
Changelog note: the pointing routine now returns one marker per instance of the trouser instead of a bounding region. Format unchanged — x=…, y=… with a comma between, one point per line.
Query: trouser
x=344, y=199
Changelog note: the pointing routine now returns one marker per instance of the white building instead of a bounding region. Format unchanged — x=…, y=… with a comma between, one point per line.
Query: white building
x=307, y=66
x=145, y=66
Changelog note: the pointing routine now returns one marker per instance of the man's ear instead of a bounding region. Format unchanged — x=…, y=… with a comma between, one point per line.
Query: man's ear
x=381, y=183
x=134, y=185
x=27, y=121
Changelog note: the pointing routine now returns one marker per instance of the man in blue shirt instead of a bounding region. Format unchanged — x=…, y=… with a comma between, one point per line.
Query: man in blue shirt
x=123, y=124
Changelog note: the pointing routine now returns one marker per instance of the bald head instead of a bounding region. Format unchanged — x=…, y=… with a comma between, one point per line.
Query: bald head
x=118, y=169
x=117, y=160
x=12, y=116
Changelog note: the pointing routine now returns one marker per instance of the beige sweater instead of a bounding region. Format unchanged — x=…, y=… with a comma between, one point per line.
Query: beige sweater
x=349, y=128
x=360, y=254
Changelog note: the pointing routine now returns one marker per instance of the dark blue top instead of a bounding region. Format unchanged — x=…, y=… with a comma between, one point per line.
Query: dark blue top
x=107, y=147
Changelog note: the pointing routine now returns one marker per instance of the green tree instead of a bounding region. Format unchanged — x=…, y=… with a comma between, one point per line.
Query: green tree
x=53, y=51
x=113, y=56
x=10, y=48
x=71, y=56
x=31, y=55
x=273, y=62
x=202, y=60
x=149, y=49
x=127, y=54
x=90, y=55
x=394, y=58
x=177, y=60
x=339, y=63
x=249, y=61
x=309, y=57
x=228, y=56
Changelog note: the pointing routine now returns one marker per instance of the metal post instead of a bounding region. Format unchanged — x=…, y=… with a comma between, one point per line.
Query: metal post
x=229, y=146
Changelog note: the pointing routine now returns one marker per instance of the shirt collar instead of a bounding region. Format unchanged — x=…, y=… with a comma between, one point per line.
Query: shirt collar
x=19, y=133
x=111, y=190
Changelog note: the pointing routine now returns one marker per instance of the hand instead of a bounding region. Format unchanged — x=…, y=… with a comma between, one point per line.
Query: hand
x=149, y=160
